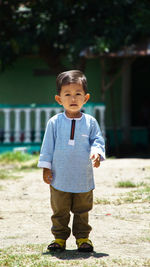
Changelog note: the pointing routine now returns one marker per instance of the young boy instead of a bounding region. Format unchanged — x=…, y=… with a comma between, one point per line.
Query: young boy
x=71, y=142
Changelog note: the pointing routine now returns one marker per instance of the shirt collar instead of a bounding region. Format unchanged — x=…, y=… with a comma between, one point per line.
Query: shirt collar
x=73, y=118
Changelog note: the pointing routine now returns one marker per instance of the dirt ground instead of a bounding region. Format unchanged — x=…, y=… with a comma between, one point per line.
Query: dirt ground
x=120, y=229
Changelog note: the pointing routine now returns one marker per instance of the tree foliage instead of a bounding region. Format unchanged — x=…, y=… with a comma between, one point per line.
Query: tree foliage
x=55, y=28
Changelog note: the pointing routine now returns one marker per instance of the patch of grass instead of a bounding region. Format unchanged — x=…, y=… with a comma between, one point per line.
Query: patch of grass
x=140, y=195
x=11, y=169
x=143, y=211
x=125, y=184
x=29, y=165
x=102, y=201
x=7, y=174
x=112, y=157
x=35, y=256
x=29, y=255
x=120, y=218
x=128, y=184
x=17, y=161
x=9, y=157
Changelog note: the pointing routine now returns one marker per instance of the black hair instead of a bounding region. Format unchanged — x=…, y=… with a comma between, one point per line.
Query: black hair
x=71, y=76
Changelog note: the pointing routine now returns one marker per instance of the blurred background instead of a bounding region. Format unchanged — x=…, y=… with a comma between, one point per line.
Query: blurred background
x=109, y=40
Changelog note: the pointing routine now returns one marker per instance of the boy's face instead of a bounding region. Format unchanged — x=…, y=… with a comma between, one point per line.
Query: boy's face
x=72, y=97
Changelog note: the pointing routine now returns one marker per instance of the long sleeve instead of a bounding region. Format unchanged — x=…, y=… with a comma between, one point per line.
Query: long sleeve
x=70, y=164
x=47, y=149
x=97, y=140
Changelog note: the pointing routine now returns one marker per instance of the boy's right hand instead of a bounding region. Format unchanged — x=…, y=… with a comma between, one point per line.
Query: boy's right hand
x=47, y=176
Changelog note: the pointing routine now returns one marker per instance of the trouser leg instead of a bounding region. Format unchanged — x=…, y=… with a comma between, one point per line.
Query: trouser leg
x=61, y=205
x=82, y=203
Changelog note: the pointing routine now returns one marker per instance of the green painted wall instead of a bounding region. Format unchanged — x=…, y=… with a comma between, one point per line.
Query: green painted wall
x=19, y=85
x=93, y=73
x=116, y=104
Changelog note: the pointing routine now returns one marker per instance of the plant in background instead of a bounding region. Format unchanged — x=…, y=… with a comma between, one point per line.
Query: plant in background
x=54, y=29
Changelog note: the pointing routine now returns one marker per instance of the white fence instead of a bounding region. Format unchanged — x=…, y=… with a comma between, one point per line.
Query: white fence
x=26, y=123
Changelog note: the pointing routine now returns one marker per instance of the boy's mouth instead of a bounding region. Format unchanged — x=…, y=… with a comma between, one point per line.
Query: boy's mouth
x=73, y=105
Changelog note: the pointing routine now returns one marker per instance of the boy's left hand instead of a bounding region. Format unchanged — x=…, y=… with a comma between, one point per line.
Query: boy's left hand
x=96, y=160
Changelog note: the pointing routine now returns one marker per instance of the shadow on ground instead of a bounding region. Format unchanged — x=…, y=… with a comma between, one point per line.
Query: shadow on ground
x=74, y=254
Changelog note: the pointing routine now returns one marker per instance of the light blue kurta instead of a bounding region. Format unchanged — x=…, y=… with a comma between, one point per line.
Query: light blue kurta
x=70, y=159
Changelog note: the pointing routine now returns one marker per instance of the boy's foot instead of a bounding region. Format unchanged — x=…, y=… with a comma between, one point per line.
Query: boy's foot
x=57, y=245
x=84, y=245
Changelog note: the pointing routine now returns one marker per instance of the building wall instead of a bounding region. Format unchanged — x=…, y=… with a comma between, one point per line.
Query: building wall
x=24, y=83
x=93, y=72
x=20, y=85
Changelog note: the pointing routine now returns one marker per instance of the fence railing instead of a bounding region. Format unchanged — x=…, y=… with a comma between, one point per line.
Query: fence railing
x=25, y=124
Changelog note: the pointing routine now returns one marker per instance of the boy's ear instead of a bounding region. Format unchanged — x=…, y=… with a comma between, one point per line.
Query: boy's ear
x=87, y=97
x=58, y=99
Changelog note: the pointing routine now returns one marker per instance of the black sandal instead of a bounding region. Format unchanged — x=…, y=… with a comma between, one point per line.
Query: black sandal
x=81, y=241
x=57, y=245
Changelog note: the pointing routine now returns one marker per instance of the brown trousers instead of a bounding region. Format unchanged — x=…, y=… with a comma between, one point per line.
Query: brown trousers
x=79, y=204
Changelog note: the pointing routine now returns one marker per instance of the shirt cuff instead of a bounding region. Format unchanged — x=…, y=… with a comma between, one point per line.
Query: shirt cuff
x=98, y=151
x=44, y=164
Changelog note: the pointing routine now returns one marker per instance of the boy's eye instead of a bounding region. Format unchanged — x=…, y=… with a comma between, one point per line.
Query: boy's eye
x=67, y=94
x=78, y=93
